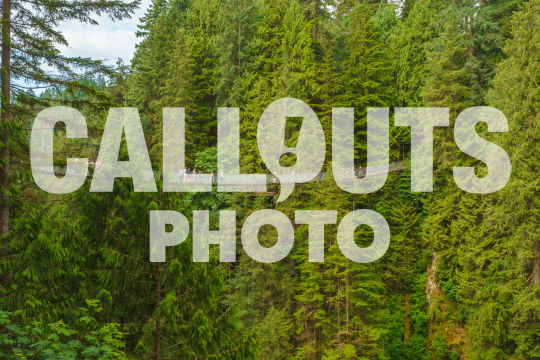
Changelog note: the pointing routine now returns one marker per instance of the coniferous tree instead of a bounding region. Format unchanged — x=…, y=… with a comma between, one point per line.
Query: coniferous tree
x=365, y=71
x=478, y=296
x=30, y=39
x=408, y=41
x=472, y=234
x=238, y=21
x=511, y=211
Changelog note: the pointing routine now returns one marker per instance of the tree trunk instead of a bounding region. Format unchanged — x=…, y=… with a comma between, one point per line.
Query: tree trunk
x=471, y=36
x=407, y=325
x=5, y=78
x=240, y=25
x=347, y=304
x=158, y=303
x=338, y=310
x=535, y=277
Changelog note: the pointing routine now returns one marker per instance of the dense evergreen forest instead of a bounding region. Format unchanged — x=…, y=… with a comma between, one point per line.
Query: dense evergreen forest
x=461, y=278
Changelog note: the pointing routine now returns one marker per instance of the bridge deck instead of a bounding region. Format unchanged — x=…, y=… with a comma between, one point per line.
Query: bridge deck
x=273, y=182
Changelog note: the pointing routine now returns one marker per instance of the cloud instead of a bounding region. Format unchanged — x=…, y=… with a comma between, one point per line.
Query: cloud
x=100, y=43
x=107, y=41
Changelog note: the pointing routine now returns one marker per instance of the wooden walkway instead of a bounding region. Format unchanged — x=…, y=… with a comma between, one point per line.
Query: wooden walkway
x=273, y=182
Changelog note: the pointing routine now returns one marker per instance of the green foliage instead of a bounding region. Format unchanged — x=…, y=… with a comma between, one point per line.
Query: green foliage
x=87, y=339
x=486, y=245
x=409, y=40
x=460, y=278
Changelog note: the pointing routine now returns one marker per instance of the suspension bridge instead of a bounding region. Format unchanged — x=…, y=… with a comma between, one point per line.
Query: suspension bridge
x=272, y=182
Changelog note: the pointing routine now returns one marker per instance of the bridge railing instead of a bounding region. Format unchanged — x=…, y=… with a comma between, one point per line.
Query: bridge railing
x=60, y=171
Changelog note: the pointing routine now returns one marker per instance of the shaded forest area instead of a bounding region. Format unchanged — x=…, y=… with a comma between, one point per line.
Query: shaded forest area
x=461, y=279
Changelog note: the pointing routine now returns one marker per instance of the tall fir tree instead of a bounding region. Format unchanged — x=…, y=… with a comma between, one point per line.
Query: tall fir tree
x=29, y=39
x=365, y=71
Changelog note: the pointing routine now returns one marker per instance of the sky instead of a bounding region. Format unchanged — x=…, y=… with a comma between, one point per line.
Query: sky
x=107, y=41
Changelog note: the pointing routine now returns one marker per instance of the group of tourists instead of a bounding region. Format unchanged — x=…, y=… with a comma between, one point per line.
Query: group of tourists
x=184, y=174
